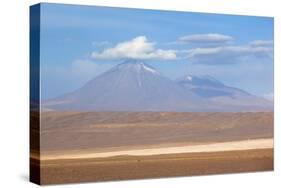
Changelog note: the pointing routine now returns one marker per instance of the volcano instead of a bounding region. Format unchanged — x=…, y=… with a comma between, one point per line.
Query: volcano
x=136, y=86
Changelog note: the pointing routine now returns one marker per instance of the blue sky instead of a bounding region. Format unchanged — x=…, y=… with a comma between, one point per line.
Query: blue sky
x=80, y=42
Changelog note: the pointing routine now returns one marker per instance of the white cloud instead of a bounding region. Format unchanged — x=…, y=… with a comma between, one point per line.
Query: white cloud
x=137, y=48
x=210, y=38
x=260, y=43
x=228, y=54
x=234, y=50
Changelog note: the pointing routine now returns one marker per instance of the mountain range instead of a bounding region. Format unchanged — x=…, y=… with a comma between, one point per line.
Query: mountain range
x=136, y=86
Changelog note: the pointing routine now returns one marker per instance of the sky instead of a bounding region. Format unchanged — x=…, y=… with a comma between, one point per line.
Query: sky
x=80, y=42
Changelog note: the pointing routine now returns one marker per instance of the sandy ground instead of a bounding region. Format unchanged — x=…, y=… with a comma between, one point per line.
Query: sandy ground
x=153, y=166
x=212, y=147
x=99, y=131
x=102, y=146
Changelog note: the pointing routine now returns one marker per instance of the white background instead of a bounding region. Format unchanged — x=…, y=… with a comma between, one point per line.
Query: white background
x=14, y=87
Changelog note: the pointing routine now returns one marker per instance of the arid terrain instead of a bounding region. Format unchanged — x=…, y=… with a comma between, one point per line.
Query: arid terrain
x=133, y=167
x=98, y=146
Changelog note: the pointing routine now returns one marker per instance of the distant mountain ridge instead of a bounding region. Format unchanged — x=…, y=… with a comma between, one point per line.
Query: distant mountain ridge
x=136, y=86
x=207, y=86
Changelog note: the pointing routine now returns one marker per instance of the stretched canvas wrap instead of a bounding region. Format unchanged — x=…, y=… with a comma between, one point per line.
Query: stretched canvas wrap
x=119, y=93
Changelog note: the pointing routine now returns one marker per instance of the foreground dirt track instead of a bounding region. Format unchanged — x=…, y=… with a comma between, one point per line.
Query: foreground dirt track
x=134, y=167
x=150, y=151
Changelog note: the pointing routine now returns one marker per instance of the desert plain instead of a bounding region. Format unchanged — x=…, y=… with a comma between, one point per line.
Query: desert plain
x=102, y=146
